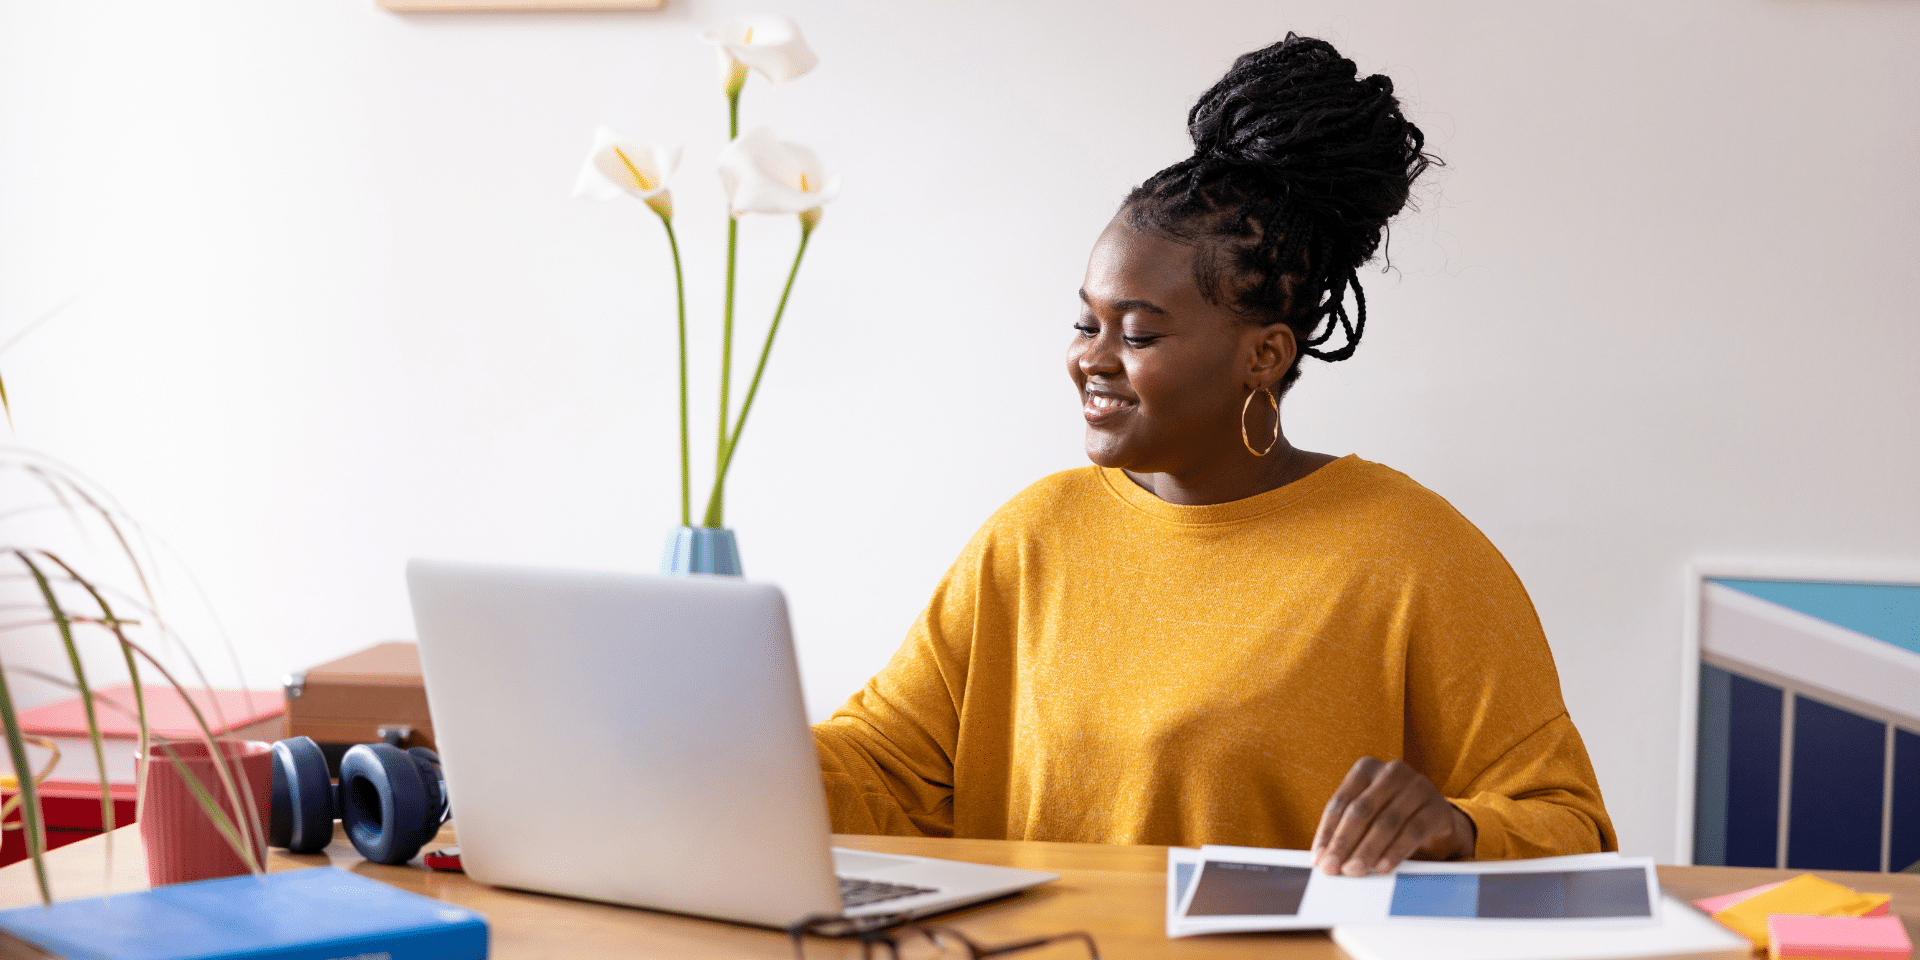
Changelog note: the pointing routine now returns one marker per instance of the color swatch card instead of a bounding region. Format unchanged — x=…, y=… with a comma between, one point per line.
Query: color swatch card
x=1223, y=889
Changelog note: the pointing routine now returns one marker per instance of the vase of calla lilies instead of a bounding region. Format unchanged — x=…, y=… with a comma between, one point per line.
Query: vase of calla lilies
x=760, y=174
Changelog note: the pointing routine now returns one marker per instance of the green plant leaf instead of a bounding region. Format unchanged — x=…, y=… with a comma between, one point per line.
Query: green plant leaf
x=112, y=623
x=16, y=338
x=30, y=820
x=79, y=679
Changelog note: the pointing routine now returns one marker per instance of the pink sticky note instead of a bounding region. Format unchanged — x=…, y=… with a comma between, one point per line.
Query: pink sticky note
x=1713, y=905
x=1849, y=938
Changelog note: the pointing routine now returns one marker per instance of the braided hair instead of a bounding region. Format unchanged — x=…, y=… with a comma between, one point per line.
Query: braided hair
x=1297, y=165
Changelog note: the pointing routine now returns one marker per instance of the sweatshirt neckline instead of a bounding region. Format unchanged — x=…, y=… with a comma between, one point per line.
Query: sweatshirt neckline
x=1132, y=494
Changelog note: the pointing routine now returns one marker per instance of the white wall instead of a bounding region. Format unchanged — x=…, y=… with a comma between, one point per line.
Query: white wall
x=337, y=309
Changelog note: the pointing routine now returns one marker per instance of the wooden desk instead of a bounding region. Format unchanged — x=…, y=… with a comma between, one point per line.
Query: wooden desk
x=1116, y=893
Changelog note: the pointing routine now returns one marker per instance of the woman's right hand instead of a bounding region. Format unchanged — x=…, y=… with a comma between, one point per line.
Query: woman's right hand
x=1384, y=813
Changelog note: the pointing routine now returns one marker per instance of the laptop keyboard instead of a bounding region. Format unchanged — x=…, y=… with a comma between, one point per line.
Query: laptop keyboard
x=858, y=893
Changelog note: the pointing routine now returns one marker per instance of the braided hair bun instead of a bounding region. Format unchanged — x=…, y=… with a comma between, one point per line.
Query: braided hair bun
x=1298, y=163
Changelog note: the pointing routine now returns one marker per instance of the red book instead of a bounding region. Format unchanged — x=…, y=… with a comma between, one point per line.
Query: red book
x=70, y=811
x=242, y=714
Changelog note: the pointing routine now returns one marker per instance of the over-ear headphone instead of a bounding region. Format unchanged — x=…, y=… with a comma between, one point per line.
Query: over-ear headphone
x=391, y=800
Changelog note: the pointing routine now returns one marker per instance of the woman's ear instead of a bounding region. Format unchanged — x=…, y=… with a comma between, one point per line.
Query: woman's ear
x=1274, y=349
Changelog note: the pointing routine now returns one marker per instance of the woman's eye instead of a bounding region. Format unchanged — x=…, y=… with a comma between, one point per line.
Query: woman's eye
x=1087, y=330
x=1140, y=341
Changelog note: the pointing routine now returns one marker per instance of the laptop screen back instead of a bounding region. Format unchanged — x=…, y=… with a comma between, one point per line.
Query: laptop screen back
x=633, y=739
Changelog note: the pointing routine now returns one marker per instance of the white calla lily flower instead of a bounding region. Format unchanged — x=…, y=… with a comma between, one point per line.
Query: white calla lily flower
x=763, y=174
x=771, y=45
x=622, y=166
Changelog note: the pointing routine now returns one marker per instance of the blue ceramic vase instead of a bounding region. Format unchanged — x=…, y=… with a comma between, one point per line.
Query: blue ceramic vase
x=701, y=550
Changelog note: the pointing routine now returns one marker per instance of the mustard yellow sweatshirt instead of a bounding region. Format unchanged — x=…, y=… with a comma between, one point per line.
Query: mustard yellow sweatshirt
x=1101, y=665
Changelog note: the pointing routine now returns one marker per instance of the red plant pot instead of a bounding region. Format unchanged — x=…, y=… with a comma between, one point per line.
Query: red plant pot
x=182, y=842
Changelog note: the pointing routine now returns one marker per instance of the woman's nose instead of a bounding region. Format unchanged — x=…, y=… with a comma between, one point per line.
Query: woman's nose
x=1096, y=355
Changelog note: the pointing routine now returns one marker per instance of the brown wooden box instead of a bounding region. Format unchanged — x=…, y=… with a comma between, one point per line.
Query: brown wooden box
x=349, y=700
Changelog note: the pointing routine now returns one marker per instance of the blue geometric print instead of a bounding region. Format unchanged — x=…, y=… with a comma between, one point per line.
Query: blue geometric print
x=1889, y=612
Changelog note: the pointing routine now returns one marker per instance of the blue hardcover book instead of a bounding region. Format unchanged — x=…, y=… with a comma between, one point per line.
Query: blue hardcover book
x=315, y=914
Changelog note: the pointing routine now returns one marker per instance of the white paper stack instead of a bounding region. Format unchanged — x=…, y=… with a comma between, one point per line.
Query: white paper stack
x=1588, y=907
x=1683, y=933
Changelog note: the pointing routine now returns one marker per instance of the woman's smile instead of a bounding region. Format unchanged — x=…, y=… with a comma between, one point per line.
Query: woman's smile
x=1100, y=406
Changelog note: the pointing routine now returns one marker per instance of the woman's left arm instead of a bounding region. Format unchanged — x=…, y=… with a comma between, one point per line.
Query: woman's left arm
x=1538, y=799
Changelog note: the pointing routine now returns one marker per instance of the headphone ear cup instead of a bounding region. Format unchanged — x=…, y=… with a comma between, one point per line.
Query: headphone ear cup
x=303, y=807
x=383, y=802
x=435, y=780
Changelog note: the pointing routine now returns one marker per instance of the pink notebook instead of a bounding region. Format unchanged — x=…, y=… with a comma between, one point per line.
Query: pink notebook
x=1838, y=938
x=1713, y=905
x=226, y=711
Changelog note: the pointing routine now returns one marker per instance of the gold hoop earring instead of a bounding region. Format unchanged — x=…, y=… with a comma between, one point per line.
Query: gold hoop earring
x=1272, y=404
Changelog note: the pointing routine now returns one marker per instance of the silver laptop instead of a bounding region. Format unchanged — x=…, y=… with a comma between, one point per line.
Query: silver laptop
x=641, y=740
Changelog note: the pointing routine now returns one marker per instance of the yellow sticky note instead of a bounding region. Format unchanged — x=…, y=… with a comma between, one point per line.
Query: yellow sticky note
x=1805, y=893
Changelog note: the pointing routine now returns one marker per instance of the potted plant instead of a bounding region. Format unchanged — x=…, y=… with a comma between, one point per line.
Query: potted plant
x=79, y=608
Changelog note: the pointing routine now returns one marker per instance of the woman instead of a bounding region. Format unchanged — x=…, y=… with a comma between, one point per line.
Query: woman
x=1211, y=636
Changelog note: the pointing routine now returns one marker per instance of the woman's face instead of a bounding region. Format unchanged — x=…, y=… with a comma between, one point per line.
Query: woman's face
x=1162, y=372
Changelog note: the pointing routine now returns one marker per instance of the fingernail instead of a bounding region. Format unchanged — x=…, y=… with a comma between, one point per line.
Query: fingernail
x=1354, y=869
x=1383, y=867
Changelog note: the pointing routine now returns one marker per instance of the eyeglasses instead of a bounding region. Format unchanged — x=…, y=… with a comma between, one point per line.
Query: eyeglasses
x=891, y=938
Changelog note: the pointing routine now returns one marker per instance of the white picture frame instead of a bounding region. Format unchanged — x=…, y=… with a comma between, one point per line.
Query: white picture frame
x=1697, y=575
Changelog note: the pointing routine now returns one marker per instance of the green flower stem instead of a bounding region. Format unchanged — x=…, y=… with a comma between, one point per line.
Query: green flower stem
x=726, y=324
x=680, y=291
x=726, y=345
x=753, y=388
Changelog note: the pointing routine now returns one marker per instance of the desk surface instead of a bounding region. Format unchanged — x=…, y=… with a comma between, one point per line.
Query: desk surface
x=1116, y=893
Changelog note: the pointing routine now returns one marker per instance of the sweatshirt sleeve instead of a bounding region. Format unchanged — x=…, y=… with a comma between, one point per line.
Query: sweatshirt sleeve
x=886, y=755
x=1484, y=717
x=1539, y=799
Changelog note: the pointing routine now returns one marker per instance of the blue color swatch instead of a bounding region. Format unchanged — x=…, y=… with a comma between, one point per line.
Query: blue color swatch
x=1754, y=712
x=1435, y=895
x=1609, y=893
x=1839, y=766
x=1903, y=848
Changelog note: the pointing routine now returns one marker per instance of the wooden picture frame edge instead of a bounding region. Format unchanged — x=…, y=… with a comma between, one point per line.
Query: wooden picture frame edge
x=517, y=6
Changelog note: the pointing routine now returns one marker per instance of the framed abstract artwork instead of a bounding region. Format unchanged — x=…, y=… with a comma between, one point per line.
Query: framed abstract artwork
x=1800, y=742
